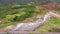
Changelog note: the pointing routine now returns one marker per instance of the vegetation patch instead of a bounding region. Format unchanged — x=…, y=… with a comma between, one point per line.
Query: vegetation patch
x=11, y=14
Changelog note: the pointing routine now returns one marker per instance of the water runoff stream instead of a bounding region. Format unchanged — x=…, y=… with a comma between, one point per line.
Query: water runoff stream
x=32, y=25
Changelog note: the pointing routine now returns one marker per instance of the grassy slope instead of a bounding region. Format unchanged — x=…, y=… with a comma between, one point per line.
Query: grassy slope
x=52, y=24
x=13, y=14
x=9, y=13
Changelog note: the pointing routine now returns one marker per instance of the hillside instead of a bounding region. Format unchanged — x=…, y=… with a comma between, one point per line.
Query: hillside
x=10, y=15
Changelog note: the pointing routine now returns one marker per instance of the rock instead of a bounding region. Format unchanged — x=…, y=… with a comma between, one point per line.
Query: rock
x=0, y=22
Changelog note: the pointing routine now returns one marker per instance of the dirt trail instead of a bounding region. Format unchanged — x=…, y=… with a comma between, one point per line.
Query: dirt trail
x=8, y=28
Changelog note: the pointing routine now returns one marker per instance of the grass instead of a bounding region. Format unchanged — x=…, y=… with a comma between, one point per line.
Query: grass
x=10, y=15
x=50, y=24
